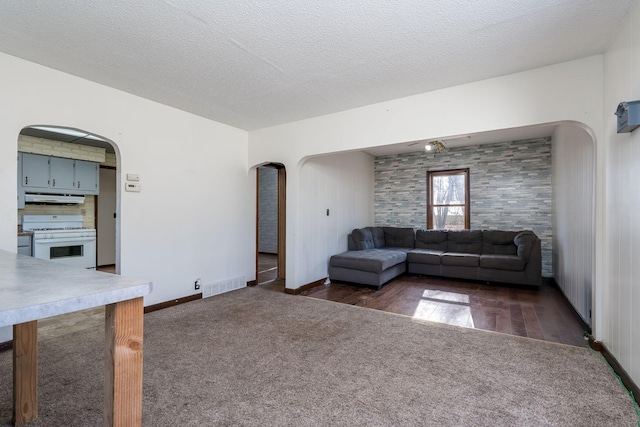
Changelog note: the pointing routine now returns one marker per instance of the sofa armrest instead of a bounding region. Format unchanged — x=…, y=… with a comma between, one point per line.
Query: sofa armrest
x=525, y=242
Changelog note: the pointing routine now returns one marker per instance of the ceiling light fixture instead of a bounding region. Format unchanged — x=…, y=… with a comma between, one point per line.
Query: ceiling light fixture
x=436, y=146
x=69, y=132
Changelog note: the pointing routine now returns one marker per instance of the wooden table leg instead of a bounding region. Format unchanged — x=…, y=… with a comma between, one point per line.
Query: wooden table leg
x=25, y=372
x=123, y=363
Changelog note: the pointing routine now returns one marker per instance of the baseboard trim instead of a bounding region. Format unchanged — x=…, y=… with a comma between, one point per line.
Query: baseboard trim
x=6, y=346
x=298, y=291
x=617, y=368
x=166, y=304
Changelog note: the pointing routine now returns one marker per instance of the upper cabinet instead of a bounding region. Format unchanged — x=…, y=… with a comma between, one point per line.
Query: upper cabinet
x=86, y=176
x=61, y=173
x=35, y=171
x=55, y=175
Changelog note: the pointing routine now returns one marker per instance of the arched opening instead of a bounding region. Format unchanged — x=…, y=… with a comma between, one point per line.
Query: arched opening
x=68, y=181
x=271, y=225
x=551, y=187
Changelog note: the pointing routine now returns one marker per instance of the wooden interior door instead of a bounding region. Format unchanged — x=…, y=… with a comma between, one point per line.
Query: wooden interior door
x=106, y=218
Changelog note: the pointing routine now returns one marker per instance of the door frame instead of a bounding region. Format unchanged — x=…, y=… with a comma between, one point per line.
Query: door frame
x=95, y=215
x=282, y=220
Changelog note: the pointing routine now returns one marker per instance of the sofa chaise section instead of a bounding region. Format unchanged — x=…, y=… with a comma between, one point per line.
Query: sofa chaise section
x=375, y=255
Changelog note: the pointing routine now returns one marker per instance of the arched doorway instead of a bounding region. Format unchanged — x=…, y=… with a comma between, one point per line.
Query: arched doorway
x=74, y=147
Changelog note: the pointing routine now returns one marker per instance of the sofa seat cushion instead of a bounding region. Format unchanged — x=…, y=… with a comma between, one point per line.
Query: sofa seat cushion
x=373, y=260
x=458, y=259
x=424, y=256
x=502, y=262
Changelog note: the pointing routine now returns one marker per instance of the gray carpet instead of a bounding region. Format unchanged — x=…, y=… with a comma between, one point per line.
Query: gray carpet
x=253, y=357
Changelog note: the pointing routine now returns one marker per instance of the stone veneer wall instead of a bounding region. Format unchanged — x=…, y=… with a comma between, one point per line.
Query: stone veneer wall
x=510, y=185
x=268, y=210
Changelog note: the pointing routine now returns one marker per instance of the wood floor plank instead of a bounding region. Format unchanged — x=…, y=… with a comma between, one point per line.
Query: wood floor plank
x=517, y=320
x=531, y=322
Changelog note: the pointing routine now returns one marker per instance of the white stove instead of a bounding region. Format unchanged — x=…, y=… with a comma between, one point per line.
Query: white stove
x=62, y=239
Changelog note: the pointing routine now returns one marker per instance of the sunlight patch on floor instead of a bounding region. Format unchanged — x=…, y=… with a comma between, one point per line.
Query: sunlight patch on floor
x=445, y=307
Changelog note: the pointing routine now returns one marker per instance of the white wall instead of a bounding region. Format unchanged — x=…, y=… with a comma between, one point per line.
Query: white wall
x=195, y=216
x=342, y=183
x=620, y=298
x=573, y=176
x=570, y=91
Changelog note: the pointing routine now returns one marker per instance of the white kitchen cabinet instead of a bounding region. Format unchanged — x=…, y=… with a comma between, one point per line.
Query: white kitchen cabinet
x=56, y=175
x=87, y=176
x=35, y=171
x=61, y=173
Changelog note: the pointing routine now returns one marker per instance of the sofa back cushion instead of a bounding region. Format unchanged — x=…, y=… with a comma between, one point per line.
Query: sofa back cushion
x=496, y=242
x=378, y=236
x=396, y=237
x=464, y=241
x=431, y=239
x=362, y=239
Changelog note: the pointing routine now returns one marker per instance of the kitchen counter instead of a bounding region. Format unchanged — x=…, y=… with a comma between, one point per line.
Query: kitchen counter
x=33, y=289
x=24, y=233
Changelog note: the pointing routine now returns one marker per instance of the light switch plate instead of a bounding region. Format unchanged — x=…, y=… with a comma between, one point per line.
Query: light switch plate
x=133, y=177
x=132, y=186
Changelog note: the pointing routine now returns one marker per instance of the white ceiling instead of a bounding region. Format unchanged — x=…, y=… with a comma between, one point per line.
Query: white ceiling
x=253, y=64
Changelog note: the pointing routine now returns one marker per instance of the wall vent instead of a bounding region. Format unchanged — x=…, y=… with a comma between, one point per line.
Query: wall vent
x=222, y=286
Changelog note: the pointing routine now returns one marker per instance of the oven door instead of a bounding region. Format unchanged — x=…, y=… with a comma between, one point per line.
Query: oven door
x=76, y=251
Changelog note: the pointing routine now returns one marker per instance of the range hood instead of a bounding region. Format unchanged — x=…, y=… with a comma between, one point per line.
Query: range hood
x=53, y=199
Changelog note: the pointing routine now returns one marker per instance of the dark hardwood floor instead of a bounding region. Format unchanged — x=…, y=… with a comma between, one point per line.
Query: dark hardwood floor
x=541, y=313
x=107, y=268
x=267, y=267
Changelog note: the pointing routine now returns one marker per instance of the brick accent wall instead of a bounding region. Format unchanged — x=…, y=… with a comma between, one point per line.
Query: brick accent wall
x=48, y=147
x=110, y=160
x=510, y=188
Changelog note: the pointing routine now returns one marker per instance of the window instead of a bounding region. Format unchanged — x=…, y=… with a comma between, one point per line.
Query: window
x=448, y=200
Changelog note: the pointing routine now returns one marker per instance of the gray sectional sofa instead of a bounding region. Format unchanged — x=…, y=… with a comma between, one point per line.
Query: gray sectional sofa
x=378, y=254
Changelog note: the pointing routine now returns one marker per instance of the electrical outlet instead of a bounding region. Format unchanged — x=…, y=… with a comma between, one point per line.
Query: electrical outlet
x=196, y=284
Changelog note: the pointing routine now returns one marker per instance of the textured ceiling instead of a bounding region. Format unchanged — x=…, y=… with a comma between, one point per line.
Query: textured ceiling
x=252, y=64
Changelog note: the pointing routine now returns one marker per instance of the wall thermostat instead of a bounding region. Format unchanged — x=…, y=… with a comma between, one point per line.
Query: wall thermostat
x=132, y=186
